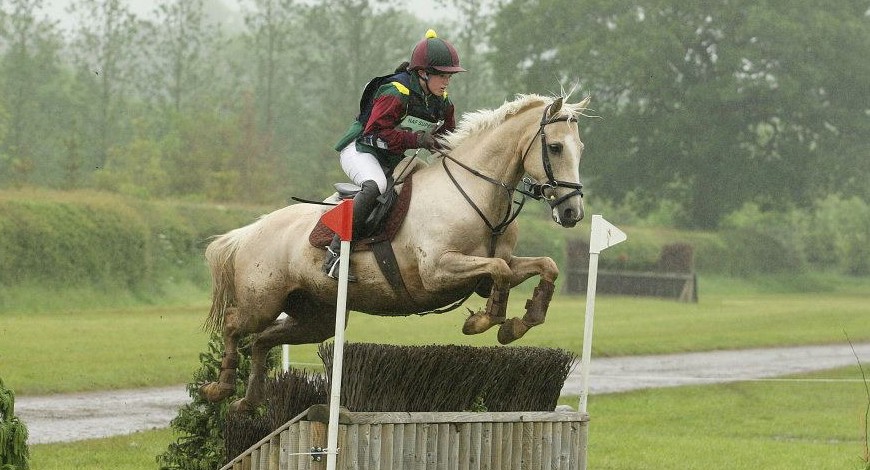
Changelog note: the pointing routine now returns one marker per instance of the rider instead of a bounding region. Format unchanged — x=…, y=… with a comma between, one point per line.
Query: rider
x=405, y=113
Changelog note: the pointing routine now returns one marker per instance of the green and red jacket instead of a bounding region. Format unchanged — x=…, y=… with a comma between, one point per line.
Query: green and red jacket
x=398, y=101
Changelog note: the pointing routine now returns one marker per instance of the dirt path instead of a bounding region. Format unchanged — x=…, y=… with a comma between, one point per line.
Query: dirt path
x=72, y=417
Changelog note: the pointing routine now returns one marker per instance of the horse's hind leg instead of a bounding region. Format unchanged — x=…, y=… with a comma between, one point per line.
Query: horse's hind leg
x=226, y=384
x=315, y=325
x=260, y=348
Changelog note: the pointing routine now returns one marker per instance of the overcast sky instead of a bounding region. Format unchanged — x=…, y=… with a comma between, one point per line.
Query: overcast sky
x=424, y=9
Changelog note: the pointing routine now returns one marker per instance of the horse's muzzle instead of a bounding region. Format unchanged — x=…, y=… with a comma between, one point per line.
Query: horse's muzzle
x=567, y=215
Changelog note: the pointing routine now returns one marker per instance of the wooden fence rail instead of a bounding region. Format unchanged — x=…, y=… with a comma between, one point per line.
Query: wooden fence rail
x=425, y=440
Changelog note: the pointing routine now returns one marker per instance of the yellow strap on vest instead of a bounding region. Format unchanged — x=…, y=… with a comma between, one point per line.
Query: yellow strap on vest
x=402, y=88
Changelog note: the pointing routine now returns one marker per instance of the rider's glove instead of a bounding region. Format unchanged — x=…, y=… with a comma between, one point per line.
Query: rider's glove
x=426, y=141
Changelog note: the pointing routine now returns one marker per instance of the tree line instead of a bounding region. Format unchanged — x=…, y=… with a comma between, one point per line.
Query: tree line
x=697, y=106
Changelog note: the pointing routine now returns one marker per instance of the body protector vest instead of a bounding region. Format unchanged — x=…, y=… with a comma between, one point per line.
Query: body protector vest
x=422, y=113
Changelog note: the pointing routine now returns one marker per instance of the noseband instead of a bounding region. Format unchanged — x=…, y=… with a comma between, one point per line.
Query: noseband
x=536, y=190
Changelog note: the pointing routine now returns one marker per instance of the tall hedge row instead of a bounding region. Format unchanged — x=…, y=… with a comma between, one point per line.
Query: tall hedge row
x=90, y=238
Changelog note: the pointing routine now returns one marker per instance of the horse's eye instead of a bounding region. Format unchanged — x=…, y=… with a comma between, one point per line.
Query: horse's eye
x=554, y=148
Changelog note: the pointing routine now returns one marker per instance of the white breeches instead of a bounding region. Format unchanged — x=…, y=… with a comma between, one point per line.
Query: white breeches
x=362, y=166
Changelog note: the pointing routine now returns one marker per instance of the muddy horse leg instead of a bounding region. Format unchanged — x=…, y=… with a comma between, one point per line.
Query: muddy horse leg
x=318, y=326
x=536, y=312
x=536, y=307
x=226, y=384
x=494, y=314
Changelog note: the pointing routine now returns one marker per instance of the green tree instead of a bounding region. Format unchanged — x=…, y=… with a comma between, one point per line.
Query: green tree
x=708, y=104
x=180, y=55
x=104, y=50
x=30, y=80
x=470, y=34
x=272, y=42
x=271, y=38
x=14, y=454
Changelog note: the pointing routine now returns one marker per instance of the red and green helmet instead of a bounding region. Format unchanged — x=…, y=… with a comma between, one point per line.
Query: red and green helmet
x=435, y=54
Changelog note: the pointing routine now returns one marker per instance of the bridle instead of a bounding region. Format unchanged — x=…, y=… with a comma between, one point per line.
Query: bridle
x=534, y=190
x=537, y=190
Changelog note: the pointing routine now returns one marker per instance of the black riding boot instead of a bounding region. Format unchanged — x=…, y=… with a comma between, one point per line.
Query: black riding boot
x=363, y=204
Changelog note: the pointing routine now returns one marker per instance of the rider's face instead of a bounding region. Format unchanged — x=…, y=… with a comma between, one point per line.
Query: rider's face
x=438, y=83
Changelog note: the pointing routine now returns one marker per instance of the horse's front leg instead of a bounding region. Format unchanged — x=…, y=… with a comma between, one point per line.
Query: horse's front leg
x=495, y=313
x=536, y=307
x=454, y=265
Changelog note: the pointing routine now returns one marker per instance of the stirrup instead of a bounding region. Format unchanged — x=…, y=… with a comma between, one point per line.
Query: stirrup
x=330, y=261
x=331, y=265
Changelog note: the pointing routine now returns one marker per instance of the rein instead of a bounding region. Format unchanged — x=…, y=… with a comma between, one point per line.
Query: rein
x=495, y=230
x=536, y=190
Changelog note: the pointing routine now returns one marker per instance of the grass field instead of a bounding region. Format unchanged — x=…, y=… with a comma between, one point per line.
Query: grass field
x=749, y=425
x=769, y=425
x=141, y=346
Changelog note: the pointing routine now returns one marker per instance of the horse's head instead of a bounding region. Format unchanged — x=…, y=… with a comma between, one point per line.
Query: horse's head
x=552, y=159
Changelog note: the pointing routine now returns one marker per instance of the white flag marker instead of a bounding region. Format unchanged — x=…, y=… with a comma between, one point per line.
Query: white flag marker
x=603, y=236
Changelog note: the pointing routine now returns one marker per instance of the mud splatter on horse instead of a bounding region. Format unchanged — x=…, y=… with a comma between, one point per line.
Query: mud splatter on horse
x=458, y=237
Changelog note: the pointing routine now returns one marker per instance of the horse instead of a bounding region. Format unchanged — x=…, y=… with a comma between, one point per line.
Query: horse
x=458, y=238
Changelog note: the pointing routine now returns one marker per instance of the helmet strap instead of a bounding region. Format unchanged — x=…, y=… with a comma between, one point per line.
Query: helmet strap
x=424, y=75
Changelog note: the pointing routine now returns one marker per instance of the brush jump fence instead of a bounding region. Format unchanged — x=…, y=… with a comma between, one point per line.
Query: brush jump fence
x=424, y=440
x=672, y=277
x=411, y=412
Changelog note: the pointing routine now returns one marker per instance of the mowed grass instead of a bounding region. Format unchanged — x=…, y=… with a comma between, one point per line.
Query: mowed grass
x=100, y=349
x=137, y=451
x=767, y=425
x=771, y=425
x=143, y=346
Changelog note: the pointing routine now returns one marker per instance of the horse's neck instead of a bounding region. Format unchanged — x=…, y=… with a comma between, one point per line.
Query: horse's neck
x=498, y=152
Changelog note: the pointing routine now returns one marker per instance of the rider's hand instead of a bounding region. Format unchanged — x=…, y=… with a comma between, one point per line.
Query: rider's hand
x=426, y=141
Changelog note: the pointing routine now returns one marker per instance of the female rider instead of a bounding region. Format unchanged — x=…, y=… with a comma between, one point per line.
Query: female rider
x=406, y=111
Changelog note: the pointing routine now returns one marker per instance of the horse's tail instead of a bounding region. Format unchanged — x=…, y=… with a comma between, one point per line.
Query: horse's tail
x=220, y=256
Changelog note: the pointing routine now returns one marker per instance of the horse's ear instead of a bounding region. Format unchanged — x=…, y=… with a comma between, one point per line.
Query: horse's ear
x=555, y=107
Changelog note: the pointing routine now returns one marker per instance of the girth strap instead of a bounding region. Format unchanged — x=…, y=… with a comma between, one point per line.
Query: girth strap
x=389, y=266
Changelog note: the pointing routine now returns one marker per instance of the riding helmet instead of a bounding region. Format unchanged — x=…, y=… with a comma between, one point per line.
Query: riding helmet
x=434, y=54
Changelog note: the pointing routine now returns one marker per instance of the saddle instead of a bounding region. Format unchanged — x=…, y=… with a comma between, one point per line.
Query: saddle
x=393, y=210
x=382, y=226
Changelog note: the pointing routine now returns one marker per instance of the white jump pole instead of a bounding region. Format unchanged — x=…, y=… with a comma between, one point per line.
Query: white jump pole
x=337, y=357
x=285, y=350
x=342, y=225
x=603, y=235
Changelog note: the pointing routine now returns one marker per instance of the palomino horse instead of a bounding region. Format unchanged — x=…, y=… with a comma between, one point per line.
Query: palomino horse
x=457, y=238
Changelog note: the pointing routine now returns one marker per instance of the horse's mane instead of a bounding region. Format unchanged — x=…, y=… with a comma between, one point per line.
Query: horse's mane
x=475, y=122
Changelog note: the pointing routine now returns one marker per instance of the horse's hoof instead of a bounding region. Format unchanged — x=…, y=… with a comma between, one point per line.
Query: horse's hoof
x=479, y=322
x=216, y=391
x=512, y=330
x=241, y=406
